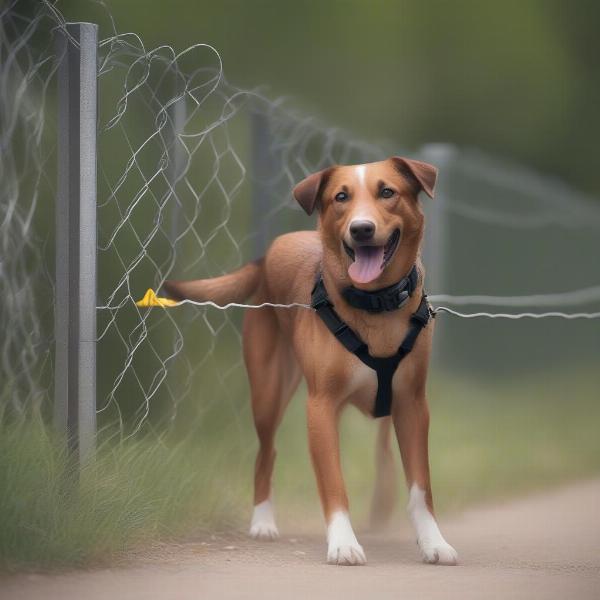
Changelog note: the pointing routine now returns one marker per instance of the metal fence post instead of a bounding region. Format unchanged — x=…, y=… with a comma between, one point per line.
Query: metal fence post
x=176, y=169
x=436, y=231
x=75, y=291
x=177, y=159
x=264, y=165
x=435, y=246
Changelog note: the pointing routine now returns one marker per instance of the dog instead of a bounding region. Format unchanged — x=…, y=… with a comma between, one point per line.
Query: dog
x=369, y=236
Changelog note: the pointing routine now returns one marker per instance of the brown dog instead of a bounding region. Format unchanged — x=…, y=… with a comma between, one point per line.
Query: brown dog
x=369, y=237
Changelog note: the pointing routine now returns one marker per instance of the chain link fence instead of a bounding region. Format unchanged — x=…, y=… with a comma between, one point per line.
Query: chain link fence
x=194, y=178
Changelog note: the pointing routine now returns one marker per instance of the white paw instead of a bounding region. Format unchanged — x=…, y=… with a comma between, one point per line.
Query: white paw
x=431, y=542
x=343, y=547
x=263, y=525
x=437, y=552
x=264, y=531
x=346, y=555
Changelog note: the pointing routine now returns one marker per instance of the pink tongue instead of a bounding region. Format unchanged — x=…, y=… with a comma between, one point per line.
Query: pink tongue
x=367, y=265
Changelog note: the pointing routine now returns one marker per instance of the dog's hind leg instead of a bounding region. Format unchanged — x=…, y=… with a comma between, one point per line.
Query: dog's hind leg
x=273, y=375
x=385, y=493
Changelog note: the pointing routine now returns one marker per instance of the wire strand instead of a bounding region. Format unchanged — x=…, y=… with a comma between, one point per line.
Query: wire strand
x=515, y=316
x=436, y=310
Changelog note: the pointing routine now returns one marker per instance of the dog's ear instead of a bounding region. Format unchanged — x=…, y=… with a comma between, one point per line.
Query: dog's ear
x=307, y=192
x=424, y=173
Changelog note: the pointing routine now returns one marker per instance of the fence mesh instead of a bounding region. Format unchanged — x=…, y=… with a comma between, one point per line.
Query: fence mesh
x=195, y=178
x=26, y=192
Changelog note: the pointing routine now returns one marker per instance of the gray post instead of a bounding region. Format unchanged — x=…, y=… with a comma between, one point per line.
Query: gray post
x=177, y=163
x=436, y=231
x=435, y=245
x=177, y=160
x=75, y=295
x=263, y=171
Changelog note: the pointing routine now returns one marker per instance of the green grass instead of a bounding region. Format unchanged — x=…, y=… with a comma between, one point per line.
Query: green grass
x=134, y=493
x=487, y=442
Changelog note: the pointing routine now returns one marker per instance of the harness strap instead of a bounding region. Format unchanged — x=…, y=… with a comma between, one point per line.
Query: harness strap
x=324, y=308
x=385, y=367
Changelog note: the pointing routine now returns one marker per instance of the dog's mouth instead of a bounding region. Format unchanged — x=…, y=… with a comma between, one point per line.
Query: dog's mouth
x=370, y=261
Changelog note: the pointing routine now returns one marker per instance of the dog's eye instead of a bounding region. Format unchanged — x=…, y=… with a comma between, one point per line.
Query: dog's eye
x=341, y=197
x=387, y=192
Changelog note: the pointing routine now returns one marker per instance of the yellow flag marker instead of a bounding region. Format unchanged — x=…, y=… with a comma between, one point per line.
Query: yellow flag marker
x=151, y=299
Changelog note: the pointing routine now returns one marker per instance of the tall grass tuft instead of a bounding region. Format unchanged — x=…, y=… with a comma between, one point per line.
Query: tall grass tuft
x=135, y=492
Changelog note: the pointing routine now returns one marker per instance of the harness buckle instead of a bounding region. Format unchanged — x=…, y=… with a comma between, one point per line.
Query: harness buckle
x=348, y=338
x=318, y=297
x=398, y=300
x=340, y=330
x=321, y=302
x=422, y=316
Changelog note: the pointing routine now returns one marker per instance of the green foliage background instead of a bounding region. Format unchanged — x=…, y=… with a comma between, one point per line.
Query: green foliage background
x=515, y=78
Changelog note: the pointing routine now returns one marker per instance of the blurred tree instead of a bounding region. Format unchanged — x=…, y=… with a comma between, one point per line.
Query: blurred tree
x=514, y=78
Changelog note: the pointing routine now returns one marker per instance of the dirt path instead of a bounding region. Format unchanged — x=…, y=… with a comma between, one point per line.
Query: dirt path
x=545, y=546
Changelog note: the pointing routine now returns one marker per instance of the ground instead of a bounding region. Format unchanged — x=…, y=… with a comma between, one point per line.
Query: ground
x=544, y=546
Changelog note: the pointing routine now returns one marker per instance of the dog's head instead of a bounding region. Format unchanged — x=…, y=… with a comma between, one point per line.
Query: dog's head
x=367, y=212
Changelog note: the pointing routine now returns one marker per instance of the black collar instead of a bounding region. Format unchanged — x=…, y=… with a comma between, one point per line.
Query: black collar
x=388, y=298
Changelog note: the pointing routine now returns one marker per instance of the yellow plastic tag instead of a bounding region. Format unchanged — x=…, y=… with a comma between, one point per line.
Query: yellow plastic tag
x=151, y=299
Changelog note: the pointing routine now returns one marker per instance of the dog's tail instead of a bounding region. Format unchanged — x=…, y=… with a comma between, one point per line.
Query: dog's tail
x=233, y=287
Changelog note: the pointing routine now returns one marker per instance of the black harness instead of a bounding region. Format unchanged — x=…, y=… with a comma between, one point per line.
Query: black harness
x=386, y=299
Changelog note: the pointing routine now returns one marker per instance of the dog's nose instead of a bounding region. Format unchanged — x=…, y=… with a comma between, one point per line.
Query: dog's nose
x=362, y=231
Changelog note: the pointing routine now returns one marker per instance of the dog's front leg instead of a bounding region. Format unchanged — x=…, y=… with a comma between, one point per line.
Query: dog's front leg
x=411, y=421
x=323, y=416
